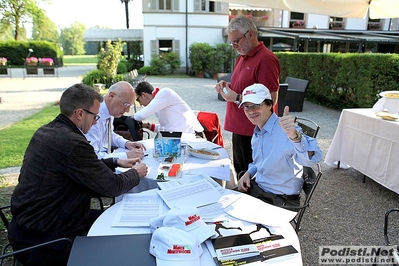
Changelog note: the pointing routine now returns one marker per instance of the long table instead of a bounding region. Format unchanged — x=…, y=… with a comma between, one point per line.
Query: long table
x=368, y=144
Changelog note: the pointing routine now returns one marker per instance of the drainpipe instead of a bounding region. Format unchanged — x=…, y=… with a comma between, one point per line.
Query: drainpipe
x=187, y=37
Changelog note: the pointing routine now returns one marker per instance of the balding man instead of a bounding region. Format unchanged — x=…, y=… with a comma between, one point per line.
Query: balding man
x=117, y=101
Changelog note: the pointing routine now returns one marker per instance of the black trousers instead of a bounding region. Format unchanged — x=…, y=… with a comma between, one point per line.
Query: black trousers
x=242, y=152
x=274, y=199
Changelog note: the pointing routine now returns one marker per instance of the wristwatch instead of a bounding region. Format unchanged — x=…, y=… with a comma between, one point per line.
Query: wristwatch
x=237, y=101
x=115, y=162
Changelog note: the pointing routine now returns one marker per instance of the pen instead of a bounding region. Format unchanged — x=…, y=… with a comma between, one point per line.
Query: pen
x=145, y=155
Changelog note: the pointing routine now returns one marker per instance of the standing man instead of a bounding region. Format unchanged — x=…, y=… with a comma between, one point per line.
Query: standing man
x=59, y=173
x=117, y=101
x=255, y=64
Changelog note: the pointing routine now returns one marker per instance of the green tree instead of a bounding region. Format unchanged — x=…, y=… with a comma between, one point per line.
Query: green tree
x=44, y=29
x=72, y=39
x=109, y=57
x=15, y=14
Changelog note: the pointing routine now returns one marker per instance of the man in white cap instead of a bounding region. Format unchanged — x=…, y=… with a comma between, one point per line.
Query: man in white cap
x=279, y=150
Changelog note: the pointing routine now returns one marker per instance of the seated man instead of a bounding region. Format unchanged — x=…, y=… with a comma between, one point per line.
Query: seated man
x=279, y=150
x=117, y=101
x=172, y=111
x=60, y=172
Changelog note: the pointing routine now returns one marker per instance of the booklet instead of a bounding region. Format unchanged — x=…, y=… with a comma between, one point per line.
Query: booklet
x=235, y=247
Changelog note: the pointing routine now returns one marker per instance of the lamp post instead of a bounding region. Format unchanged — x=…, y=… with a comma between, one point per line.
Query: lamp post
x=126, y=2
x=30, y=51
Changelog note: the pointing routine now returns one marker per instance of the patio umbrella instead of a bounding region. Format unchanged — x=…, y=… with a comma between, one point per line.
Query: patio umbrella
x=336, y=8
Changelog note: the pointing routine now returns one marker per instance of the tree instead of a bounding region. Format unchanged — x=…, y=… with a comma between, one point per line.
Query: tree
x=72, y=39
x=44, y=28
x=15, y=14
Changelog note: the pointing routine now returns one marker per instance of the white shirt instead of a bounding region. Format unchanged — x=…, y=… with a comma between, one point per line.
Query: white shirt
x=98, y=137
x=172, y=112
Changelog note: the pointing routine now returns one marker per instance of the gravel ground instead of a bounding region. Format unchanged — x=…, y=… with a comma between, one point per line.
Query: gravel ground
x=344, y=209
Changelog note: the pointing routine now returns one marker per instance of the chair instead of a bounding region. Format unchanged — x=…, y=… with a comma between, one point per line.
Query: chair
x=395, y=252
x=212, y=127
x=129, y=128
x=282, y=92
x=311, y=178
x=5, y=215
x=309, y=127
x=296, y=93
x=225, y=77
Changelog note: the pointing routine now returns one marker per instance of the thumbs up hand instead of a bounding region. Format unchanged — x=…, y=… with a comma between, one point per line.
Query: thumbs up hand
x=287, y=123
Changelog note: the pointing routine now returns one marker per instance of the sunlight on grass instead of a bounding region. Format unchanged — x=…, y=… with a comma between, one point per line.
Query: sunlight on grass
x=15, y=139
x=75, y=60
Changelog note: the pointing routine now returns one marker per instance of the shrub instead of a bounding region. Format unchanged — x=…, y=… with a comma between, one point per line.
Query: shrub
x=158, y=66
x=94, y=76
x=146, y=70
x=109, y=57
x=199, y=56
x=121, y=68
x=173, y=60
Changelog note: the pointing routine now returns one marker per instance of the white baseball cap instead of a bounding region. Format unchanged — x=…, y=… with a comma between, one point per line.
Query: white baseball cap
x=156, y=222
x=174, y=247
x=256, y=93
x=187, y=218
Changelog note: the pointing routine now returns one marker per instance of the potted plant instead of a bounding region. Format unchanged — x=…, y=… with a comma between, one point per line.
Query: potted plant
x=46, y=61
x=337, y=25
x=3, y=61
x=199, y=57
x=298, y=24
x=31, y=61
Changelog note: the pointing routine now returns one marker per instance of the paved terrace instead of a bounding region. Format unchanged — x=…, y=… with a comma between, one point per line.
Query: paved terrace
x=344, y=210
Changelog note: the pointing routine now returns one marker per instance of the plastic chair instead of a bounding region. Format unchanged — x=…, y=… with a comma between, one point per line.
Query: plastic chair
x=212, y=127
x=386, y=237
x=282, y=92
x=296, y=93
x=309, y=127
x=5, y=215
x=311, y=178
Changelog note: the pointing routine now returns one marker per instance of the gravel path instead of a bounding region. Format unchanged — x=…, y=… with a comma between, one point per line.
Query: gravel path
x=344, y=210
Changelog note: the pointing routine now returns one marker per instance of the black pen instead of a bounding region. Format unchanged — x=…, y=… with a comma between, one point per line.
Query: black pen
x=145, y=155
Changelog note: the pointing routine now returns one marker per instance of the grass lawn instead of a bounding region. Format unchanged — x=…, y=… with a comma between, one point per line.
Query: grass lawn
x=15, y=139
x=74, y=60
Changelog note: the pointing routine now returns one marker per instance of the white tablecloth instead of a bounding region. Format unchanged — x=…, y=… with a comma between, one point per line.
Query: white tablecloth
x=369, y=144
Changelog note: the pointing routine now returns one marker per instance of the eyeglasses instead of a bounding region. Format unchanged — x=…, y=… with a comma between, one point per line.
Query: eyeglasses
x=96, y=116
x=138, y=98
x=248, y=107
x=235, y=43
x=125, y=104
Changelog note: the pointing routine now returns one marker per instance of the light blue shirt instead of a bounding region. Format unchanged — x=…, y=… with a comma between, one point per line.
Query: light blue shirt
x=277, y=161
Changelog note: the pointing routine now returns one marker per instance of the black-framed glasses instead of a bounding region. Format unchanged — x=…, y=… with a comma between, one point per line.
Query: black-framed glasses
x=235, y=43
x=138, y=98
x=125, y=104
x=96, y=116
x=248, y=107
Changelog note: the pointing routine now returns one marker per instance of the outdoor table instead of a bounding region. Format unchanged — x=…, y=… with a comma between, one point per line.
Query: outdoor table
x=369, y=144
x=102, y=227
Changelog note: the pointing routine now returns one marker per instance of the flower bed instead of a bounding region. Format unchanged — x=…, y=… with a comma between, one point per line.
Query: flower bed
x=31, y=61
x=46, y=61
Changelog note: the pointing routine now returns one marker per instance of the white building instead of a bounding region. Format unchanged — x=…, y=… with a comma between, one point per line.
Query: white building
x=173, y=25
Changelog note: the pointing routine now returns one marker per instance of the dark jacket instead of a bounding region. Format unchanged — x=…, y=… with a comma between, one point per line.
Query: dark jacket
x=59, y=174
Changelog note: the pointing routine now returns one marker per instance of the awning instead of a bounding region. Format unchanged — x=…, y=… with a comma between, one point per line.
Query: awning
x=103, y=35
x=249, y=8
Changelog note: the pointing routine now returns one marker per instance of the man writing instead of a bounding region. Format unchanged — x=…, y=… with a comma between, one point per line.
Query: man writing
x=59, y=173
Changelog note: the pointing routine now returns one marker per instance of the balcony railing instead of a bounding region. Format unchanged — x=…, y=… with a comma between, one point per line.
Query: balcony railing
x=337, y=25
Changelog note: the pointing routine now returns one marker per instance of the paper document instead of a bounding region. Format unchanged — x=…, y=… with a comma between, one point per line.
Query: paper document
x=219, y=168
x=137, y=209
x=254, y=210
x=197, y=194
x=190, y=179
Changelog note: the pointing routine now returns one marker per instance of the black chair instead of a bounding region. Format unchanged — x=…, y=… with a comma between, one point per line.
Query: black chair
x=309, y=127
x=311, y=178
x=282, y=92
x=129, y=128
x=296, y=93
x=5, y=215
